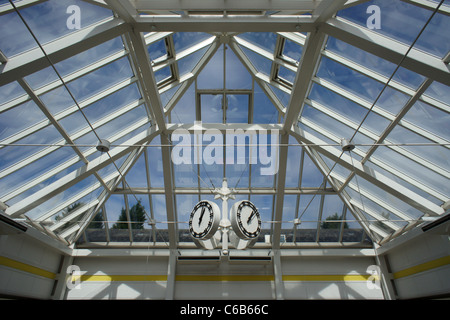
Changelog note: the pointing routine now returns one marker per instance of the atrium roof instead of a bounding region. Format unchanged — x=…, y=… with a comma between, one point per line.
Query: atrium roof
x=169, y=86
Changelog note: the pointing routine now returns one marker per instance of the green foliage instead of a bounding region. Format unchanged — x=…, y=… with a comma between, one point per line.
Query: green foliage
x=137, y=217
x=67, y=210
x=97, y=222
x=332, y=222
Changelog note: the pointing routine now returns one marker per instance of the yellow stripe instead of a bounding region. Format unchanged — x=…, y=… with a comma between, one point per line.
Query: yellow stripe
x=26, y=267
x=423, y=267
x=224, y=278
x=337, y=277
x=124, y=278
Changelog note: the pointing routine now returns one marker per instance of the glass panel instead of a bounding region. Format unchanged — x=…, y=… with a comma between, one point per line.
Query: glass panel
x=39, y=167
x=155, y=163
x=439, y=91
x=118, y=226
x=19, y=118
x=308, y=213
x=184, y=110
x=265, y=40
x=374, y=63
x=237, y=108
x=385, y=197
x=264, y=204
x=77, y=62
x=10, y=91
x=184, y=40
x=211, y=76
x=403, y=21
x=112, y=103
x=429, y=118
x=348, y=109
x=157, y=49
x=185, y=204
x=13, y=154
x=286, y=75
x=100, y=79
x=311, y=176
x=391, y=100
x=237, y=76
x=211, y=108
x=289, y=206
x=87, y=184
x=292, y=50
x=96, y=231
x=163, y=74
x=266, y=168
x=338, y=129
x=136, y=177
x=188, y=63
x=436, y=154
x=330, y=225
x=261, y=64
x=293, y=164
x=49, y=21
x=263, y=109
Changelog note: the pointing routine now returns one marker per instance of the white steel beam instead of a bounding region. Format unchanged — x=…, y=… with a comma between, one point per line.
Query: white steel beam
x=226, y=5
x=251, y=191
x=308, y=65
x=123, y=9
x=34, y=60
x=168, y=187
x=262, y=82
x=280, y=186
x=149, y=88
x=389, y=49
x=430, y=5
x=21, y=4
x=224, y=23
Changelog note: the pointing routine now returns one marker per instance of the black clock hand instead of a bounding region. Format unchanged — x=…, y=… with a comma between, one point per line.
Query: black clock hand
x=251, y=217
x=201, y=216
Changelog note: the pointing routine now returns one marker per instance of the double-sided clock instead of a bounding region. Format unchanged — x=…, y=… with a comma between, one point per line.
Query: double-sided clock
x=204, y=220
x=245, y=220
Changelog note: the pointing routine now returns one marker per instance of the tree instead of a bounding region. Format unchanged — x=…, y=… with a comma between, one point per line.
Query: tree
x=137, y=217
x=97, y=222
x=333, y=222
x=65, y=212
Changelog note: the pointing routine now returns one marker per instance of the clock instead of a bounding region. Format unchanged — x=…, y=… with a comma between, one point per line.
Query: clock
x=245, y=220
x=204, y=220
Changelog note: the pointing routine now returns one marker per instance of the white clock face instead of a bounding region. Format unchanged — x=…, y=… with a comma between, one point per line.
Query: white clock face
x=204, y=220
x=246, y=220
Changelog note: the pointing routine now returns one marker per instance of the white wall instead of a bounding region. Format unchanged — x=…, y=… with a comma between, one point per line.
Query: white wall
x=425, y=257
x=329, y=289
x=22, y=260
x=202, y=282
x=138, y=266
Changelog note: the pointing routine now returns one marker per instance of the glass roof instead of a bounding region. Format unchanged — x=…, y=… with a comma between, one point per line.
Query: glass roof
x=172, y=95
